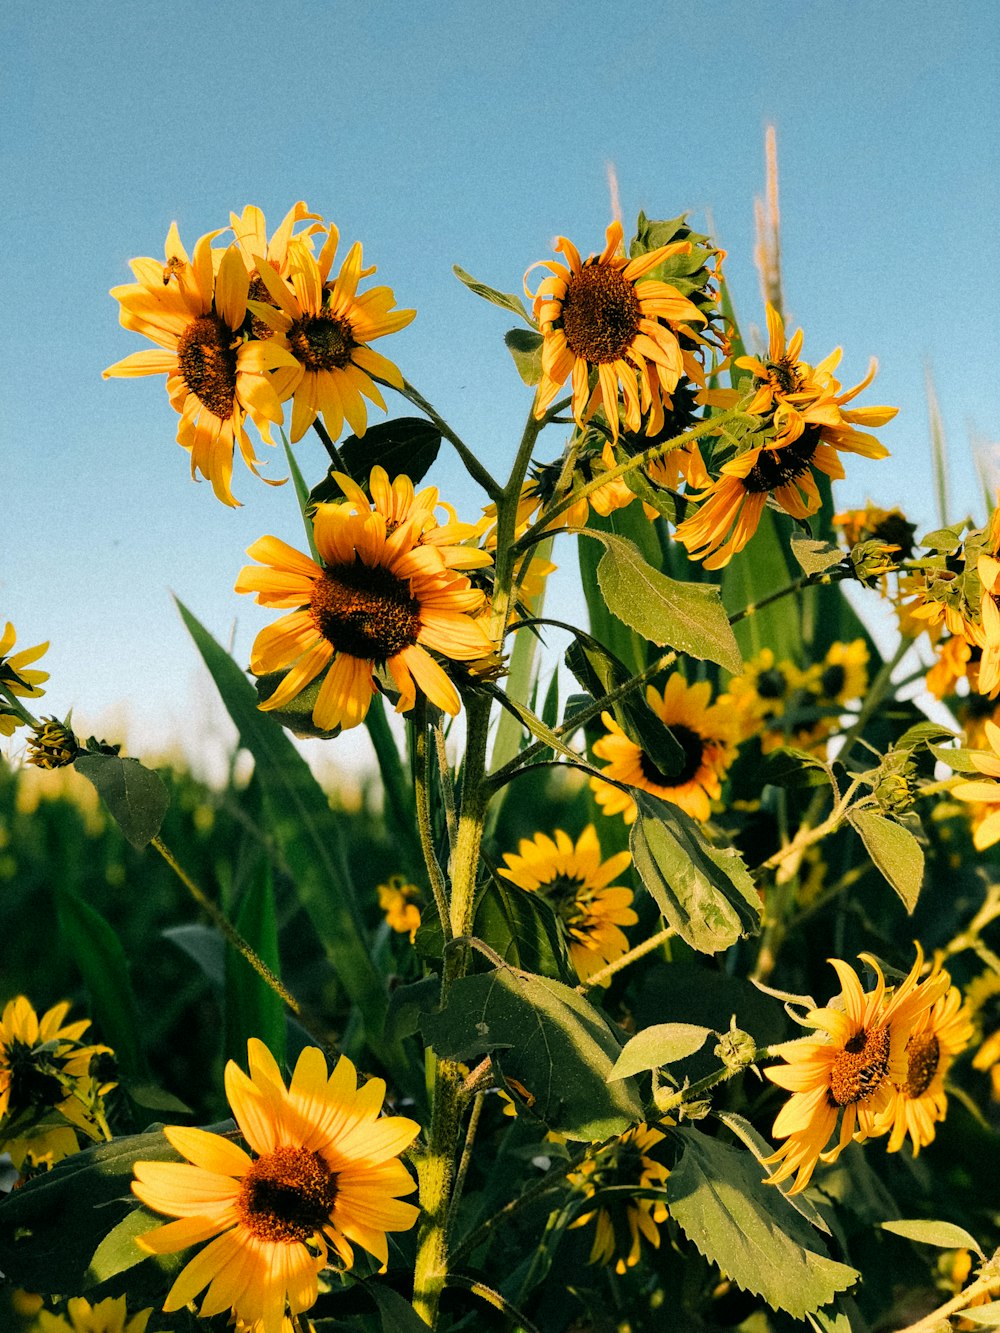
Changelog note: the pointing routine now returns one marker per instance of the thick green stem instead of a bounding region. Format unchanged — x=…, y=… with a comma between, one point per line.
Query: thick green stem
x=436, y=1172
x=424, y=825
x=336, y=457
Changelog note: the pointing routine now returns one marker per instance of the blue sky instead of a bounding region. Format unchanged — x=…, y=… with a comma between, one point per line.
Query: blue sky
x=436, y=134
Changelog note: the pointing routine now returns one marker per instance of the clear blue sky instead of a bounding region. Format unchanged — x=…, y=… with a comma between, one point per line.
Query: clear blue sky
x=442, y=133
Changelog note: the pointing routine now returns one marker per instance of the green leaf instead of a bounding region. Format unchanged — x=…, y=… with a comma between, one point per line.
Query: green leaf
x=894, y=851
x=308, y=833
x=983, y=1316
x=521, y=927
x=525, y=346
x=815, y=556
x=51, y=1226
x=296, y=715
x=251, y=1006
x=946, y=1235
x=959, y=760
x=405, y=446
x=717, y=1197
x=135, y=796
x=118, y=1251
x=688, y=616
x=98, y=953
x=944, y=539
x=506, y=300
x=788, y=767
x=704, y=892
x=534, y=725
x=923, y=733
x=657, y=1046
x=407, y=1003
x=549, y=1039
x=398, y=1315
x=761, y=1149
x=301, y=494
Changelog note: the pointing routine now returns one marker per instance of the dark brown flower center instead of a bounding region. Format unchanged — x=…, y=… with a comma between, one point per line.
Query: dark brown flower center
x=772, y=684
x=923, y=1053
x=322, y=342
x=287, y=1195
x=777, y=467
x=861, y=1067
x=832, y=681
x=693, y=746
x=563, y=894
x=782, y=375
x=365, y=611
x=206, y=357
x=600, y=314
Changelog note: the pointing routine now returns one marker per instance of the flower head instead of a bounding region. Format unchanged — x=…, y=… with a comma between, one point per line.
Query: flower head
x=604, y=315
x=572, y=879
x=194, y=311
x=323, y=327
x=399, y=900
x=323, y=1172
x=386, y=594
x=621, y=1226
x=707, y=733
x=52, y=744
x=107, y=1316
x=938, y=1035
x=850, y=1072
x=17, y=677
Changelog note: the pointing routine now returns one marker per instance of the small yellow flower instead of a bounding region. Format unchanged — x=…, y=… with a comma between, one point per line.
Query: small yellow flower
x=621, y=1227
x=107, y=1316
x=938, y=1035
x=17, y=677
x=398, y=901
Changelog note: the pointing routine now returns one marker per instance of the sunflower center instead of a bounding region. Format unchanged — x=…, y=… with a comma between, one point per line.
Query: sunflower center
x=832, y=681
x=772, y=684
x=922, y=1056
x=365, y=611
x=693, y=746
x=206, y=358
x=322, y=342
x=287, y=1195
x=778, y=467
x=861, y=1067
x=600, y=314
x=782, y=375
x=562, y=893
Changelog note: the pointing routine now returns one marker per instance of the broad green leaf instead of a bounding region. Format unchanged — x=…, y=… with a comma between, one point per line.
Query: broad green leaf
x=923, y=733
x=407, y=1003
x=135, y=796
x=309, y=837
x=547, y=1037
x=51, y=1226
x=525, y=346
x=97, y=951
x=521, y=927
x=534, y=725
x=405, y=446
x=829, y=1321
x=788, y=767
x=816, y=556
x=657, y=1046
x=398, y=1315
x=946, y=1235
x=704, y=892
x=959, y=760
x=983, y=1316
x=688, y=616
x=718, y=1198
x=251, y=1006
x=944, y=539
x=761, y=1149
x=621, y=639
x=506, y=300
x=894, y=851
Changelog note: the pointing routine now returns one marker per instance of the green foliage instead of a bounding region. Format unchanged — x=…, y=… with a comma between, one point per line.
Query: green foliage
x=405, y=445
x=525, y=346
x=506, y=300
x=895, y=851
x=135, y=796
x=654, y=1047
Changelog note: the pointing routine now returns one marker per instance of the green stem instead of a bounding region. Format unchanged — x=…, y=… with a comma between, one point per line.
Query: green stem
x=463, y=1166
x=447, y=786
x=336, y=457
x=626, y=959
x=226, y=928
x=938, y=1319
x=753, y=607
x=493, y=1297
x=424, y=822
x=472, y=464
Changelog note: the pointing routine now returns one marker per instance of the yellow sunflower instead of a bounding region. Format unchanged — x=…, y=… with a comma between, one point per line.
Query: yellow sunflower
x=380, y=597
x=843, y=673
x=324, y=1172
x=938, y=1035
x=805, y=410
x=249, y=229
x=215, y=378
x=324, y=328
x=398, y=899
x=107, y=1316
x=621, y=1227
x=707, y=734
x=16, y=677
x=45, y=1068
x=957, y=659
x=849, y=1072
x=578, y=887
x=602, y=314
x=984, y=796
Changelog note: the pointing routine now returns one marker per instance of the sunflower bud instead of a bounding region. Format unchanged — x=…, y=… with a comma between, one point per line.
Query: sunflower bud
x=894, y=786
x=52, y=744
x=736, y=1048
x=871, y=560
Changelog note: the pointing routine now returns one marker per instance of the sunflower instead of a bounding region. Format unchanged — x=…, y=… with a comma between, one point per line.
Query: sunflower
x=843, y=673
x=578, y=887
x=324, y=329
x=107, y=1316
x=620, y=1227
x=984, y=795
x=938, y=1035
x=766, y=696
x=706, y=733
x=46, y=1069
x=602, y=314
x=398, y=900
x=16, y=678
x=379, y=597
x=873, y=523
x=215, y=378
x=325, y=1172
x=249, y=230
x=957, y=659
x=849, y=1072
x=803, y=411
